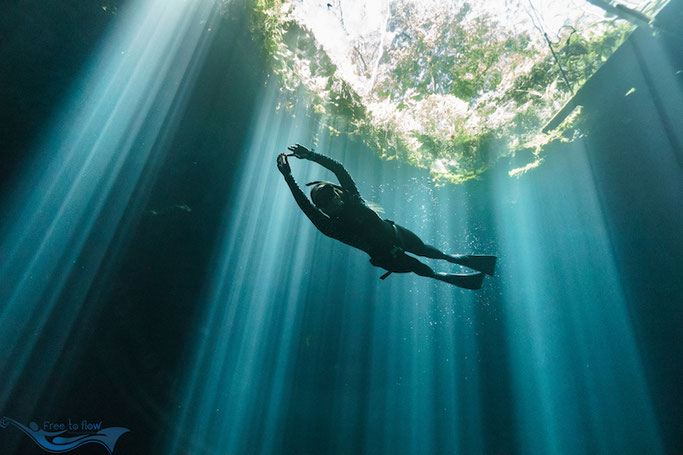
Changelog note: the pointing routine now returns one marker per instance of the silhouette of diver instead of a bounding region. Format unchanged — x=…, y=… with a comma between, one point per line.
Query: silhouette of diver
x=341, y=213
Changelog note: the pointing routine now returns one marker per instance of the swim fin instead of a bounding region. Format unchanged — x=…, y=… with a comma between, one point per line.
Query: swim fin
x=480, y=263
x=462, y=280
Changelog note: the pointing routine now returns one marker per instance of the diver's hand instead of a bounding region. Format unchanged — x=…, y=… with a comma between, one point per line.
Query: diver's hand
x=283, y=165
x=300, y=151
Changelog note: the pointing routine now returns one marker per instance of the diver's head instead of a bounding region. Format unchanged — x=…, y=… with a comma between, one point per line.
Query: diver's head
x=327, y=197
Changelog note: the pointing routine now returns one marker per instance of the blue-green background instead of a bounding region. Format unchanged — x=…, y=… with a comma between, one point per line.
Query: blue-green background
x=195, y=305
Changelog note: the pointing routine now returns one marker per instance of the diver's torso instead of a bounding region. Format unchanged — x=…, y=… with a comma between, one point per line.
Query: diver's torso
x=361, y=227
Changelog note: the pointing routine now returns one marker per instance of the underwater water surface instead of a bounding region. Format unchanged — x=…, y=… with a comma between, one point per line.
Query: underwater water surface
x=157, y=275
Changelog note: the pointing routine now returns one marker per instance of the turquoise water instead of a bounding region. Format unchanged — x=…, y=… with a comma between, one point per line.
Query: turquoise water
x=158, y=276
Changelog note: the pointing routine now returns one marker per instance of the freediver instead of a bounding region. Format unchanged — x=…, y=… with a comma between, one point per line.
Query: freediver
x=339, y=211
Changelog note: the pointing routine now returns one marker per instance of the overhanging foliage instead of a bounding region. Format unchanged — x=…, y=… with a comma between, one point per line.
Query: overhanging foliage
x=451, y=91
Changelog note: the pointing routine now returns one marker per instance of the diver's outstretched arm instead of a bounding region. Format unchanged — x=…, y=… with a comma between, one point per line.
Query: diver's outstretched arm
x=318, y=218
x=343, y=176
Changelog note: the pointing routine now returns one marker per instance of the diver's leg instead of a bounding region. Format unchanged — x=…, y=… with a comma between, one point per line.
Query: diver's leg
x=404, y=263
x=413, y=244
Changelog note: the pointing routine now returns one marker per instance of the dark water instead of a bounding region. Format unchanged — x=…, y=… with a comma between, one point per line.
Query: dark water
x=177, y=291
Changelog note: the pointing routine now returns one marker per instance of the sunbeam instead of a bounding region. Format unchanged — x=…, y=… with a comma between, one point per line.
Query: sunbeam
x=273, y=271
x=68, y=204
x=567, y=348
x=158, y=274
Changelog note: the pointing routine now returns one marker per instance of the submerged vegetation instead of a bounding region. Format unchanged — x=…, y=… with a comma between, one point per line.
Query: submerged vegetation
x=448, y=89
